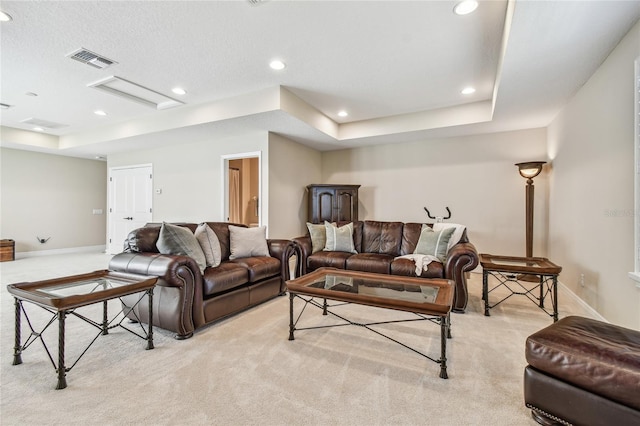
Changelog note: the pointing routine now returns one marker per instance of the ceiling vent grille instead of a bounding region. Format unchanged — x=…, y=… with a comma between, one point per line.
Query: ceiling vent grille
x=43, y=123
x=90, y=58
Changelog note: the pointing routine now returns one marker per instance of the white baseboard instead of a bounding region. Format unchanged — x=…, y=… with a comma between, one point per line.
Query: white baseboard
x=85, y=249
x=567, y=292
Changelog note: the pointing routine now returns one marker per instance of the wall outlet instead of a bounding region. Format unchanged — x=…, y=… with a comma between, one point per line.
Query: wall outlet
x=581, y=280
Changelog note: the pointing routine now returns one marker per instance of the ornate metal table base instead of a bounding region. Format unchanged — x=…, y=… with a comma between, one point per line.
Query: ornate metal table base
x=63, y=296
x=103, y=327
x=443, y=321
x=547, y=286
x=513, y=273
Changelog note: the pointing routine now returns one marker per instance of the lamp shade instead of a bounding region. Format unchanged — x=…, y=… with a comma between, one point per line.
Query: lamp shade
x=530, y=169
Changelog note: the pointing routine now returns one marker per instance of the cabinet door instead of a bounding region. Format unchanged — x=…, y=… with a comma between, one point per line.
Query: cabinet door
x=325, y=205
x=346, y=205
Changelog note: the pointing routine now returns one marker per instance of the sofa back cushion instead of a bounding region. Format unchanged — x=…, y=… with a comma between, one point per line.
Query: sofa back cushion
x=410, y=236
x=143, y=240
x=382, y=237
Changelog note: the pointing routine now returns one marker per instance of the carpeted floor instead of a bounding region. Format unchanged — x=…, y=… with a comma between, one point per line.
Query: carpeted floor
x=244, y=371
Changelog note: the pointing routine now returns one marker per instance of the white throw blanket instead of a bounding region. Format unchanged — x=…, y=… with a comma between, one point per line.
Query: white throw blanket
x=422, y=261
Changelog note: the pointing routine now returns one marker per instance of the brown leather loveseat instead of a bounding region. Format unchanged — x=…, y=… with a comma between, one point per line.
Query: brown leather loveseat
x=378, y=244
x=186, y=299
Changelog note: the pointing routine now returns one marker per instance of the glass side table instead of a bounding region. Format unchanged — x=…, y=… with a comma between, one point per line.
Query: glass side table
x=515, y=273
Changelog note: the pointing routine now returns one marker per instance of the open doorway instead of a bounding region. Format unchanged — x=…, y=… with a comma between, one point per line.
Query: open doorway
x=242, y=188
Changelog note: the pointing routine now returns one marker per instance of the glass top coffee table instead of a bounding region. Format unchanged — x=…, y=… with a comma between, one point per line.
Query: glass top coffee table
x=515, y=273
x=62, y=296
x=428, y=299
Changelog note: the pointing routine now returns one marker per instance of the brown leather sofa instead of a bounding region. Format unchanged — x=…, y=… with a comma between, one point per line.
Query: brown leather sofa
x=584, y=372
x=186, y=299
x=379, y=243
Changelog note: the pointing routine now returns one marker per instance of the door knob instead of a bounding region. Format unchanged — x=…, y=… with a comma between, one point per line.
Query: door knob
x=127, y=218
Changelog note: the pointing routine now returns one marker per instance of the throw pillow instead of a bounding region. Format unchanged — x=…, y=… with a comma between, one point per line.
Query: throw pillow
x=174, y=239
x=248, y=242
x=318, y=234
x=457, y=233
x=434, y=243
x=339, y=239
x=209, y=243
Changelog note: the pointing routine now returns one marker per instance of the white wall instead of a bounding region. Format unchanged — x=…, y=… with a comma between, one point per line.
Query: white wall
x=591, y=143
x=292, y=167
x=44, y=195
x=474, y=176
x=190, y=176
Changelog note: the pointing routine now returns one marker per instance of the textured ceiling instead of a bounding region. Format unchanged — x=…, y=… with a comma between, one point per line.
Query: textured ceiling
x=397, y=67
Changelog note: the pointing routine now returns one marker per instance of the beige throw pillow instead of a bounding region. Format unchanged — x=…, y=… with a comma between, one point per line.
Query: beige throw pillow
x=433, y=243
x=339, y=239
x=457, y=233
x=174, y=239
x=318, y=234
x=248, y=242
x=209, y=243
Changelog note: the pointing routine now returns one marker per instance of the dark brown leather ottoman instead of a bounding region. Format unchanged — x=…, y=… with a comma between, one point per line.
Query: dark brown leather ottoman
x=583, y=372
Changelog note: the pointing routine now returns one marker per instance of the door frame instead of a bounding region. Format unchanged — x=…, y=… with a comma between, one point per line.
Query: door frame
x=110, y=190
x=225, y=182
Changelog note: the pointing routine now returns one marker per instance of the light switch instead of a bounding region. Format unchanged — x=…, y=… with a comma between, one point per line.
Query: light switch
x=97, y=211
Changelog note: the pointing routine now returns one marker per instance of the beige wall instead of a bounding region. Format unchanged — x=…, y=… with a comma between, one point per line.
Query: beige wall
x=44, y=195
x=591, y=143
x=292, y=167
x=474, y=176
x=190, y=176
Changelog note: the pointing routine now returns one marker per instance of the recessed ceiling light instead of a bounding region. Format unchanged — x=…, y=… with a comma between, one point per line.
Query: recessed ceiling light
x=5, y=17
x=277, y=65
x=38, y=129
x=468, y=90
x=99, y=112
x=5, y=106
x=465, y=7
x=179, y=91
x=343, y=113
x=31, y=94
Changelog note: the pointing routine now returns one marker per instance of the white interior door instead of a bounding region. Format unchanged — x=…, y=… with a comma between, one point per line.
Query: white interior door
x=130, y=202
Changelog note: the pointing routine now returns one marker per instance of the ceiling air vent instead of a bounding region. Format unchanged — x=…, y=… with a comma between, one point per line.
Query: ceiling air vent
x=88, y=57
x=43, y=123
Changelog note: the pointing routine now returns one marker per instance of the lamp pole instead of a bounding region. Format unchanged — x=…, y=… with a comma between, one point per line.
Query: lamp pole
x=529, y=215
x=529, y=170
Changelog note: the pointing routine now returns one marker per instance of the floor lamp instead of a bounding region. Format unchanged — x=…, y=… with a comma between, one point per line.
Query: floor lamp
x=529, y=170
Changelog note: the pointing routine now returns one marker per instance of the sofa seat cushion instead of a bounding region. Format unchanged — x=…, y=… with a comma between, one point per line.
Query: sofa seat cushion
x=370, y=262
x=224, y=277
x=593, y=355
x=259, y=267
x=407, y=268
x=333, y=259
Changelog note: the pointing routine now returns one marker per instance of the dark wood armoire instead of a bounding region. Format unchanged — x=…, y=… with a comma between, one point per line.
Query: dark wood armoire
x=333, y=203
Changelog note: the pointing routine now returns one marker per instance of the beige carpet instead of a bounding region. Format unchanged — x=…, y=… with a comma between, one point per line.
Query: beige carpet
x=244, y=370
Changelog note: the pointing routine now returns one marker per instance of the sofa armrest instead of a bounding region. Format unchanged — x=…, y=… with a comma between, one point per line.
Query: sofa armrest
x=303, y=251
x=282, y=250
x=179, y=282
x=463, y=257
